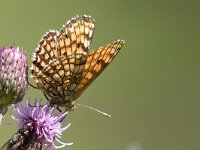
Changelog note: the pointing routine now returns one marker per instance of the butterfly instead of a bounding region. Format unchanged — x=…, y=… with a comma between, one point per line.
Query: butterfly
x=63, y=67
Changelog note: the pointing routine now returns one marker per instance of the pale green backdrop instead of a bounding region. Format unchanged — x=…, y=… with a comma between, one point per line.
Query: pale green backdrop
x=151, y=89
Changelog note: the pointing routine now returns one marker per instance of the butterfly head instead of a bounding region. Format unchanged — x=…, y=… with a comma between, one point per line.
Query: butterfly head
x=63, y=104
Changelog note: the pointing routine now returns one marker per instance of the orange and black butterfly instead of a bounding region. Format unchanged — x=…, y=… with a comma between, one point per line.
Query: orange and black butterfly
x=63, y=67
x=20, y=141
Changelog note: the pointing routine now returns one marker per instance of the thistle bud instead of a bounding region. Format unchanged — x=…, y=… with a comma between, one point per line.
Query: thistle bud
x=13, y=77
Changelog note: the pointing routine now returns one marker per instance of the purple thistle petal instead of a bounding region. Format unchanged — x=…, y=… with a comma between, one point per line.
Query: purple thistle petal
x=46, y=127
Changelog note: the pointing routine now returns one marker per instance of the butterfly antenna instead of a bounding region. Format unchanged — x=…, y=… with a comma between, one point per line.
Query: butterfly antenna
x=101, y=112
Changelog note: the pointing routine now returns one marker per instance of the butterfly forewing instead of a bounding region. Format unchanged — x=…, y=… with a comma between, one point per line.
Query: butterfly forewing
x=97, y=61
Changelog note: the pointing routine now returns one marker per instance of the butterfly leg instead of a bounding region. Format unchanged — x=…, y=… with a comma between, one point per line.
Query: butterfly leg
x=59, y=109
x=32, y=85
x=46, y=96
x=49, y=100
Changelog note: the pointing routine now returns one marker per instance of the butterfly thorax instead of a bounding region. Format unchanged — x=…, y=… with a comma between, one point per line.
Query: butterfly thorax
x=68, y=104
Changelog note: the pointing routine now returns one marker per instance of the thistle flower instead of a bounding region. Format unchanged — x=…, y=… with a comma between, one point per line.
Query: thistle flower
x=41, y=123
x=13, y=77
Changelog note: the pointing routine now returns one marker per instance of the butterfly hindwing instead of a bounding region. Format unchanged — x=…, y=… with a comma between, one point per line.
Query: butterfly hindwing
x=47, y=47
x=68, y=46
x=45, y=53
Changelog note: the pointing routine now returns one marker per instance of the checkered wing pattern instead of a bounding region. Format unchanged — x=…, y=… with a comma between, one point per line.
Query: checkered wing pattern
x=97, y=61
x=76, y=35
x=58, y=63
x=63, y=67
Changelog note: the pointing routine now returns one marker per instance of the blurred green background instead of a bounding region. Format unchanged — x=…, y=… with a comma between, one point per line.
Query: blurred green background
x=151, y=89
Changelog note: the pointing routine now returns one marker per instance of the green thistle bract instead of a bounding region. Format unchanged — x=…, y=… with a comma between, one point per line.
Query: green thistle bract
x=13, y=77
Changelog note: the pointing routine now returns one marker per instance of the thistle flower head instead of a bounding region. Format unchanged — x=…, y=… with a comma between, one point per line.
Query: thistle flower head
x=44, y=126
x=13, y=76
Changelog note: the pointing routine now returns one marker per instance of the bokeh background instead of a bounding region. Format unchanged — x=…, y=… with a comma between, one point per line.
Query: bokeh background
x=151, y=89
